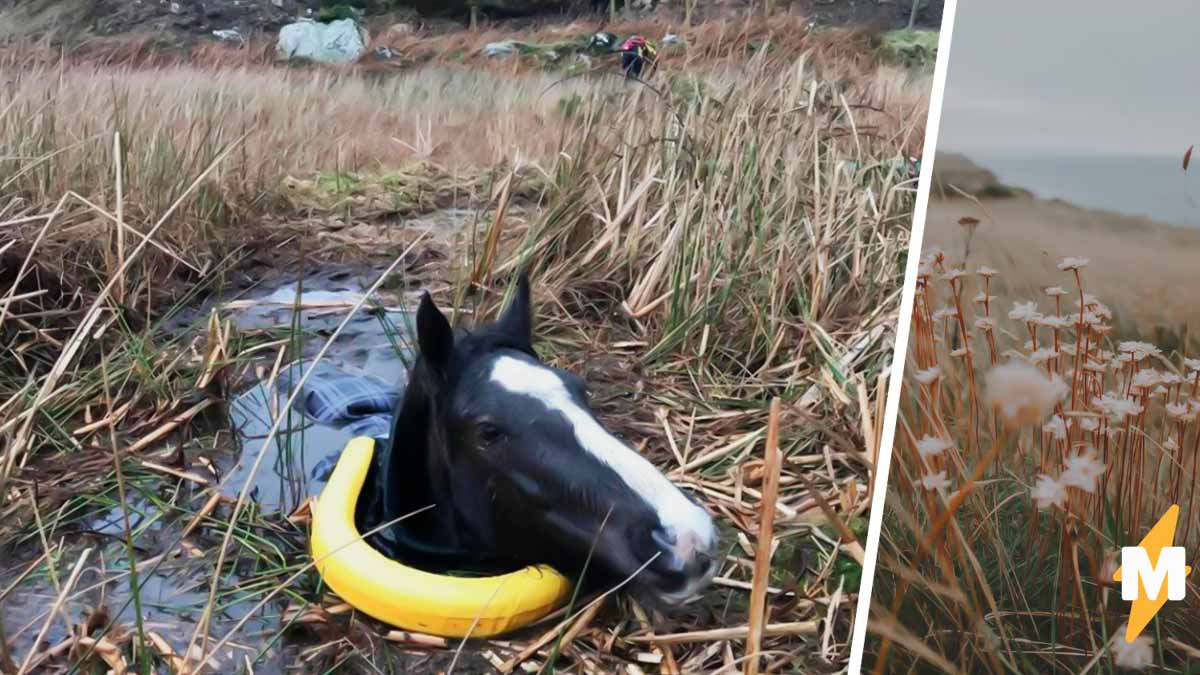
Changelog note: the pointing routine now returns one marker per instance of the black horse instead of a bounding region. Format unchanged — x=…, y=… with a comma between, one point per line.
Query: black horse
x=520, y=471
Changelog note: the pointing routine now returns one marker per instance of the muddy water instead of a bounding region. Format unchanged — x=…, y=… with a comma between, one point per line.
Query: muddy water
x=375, y=345
x=175, y=591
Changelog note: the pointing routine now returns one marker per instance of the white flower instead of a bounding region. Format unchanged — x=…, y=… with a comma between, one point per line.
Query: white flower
x=1146, y=379
x=1042, y=355
x=960, y=352
x=1023, y=394
x=1117, y=408
x=1024, y=311
x=1054, y=291
x=1159, y=391
x=945, y=313
x=954, y=274
x=931, y=446
x=1089, y=423
x=1177, y=411
x=983, y=298
x=1082, y=470
x=1048, y=492
x=1056, y=427
x=985, y=323
x=1171, y=444
x=1073, y=263
x=1095, y=367
x=935, y=481
x=985, y=271
x=1191, y=364
x=1053, y=321
x=1138, y=350
x=1136, y=655
x=1171, y=378
x=928, y=376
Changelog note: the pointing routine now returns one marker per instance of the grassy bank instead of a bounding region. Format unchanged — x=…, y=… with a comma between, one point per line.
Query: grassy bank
x=695, y=254
x=1018, y=236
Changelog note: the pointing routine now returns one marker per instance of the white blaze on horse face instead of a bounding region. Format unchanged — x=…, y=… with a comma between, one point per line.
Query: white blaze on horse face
x=689, y=524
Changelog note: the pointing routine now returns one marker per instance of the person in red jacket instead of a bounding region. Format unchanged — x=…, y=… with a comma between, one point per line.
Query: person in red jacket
x=636, y=54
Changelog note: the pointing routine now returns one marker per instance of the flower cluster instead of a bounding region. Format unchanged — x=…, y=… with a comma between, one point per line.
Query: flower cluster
x=1039, y=394
x=1081, y=471
x=1023, y=393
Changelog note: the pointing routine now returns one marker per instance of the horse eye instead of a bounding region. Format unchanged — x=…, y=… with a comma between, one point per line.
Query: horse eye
x=488, y=433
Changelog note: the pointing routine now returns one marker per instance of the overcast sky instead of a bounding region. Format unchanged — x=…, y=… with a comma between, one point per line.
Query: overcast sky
x=1073, y=77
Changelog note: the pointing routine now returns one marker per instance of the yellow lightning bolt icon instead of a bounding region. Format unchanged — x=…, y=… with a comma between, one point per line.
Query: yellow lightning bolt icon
x=1142, y=610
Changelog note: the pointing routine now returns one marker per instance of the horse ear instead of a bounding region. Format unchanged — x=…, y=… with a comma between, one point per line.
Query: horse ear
x=517, y=319
x=434, y=335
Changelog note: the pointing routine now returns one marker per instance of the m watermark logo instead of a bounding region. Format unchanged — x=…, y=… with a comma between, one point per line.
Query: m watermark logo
x=1152, y=573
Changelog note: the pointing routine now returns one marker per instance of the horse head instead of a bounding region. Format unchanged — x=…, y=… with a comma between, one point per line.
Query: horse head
x=521, y=469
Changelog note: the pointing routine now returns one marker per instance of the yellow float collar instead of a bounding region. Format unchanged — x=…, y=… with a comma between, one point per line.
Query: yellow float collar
x=409, y=598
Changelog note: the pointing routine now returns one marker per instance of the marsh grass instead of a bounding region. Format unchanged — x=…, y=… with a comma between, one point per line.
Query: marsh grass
x=694, y=256
x=1033, y=443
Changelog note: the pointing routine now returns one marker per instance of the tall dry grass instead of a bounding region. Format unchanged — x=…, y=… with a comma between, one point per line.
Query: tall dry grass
x=1033, y=443
x=295, y=121
x=754, y=211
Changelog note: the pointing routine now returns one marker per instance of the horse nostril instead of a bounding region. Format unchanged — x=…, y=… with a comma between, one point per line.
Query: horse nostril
x=668, y=552
x=672, y=557
x=664, y=539
x=689, y=554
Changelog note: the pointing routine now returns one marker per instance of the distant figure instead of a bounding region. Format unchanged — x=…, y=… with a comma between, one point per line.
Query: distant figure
x=636, y=53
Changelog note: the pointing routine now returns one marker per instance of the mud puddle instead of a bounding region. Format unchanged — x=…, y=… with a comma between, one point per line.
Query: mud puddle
x=174, y=576
x=175, y=571
x=374, y=348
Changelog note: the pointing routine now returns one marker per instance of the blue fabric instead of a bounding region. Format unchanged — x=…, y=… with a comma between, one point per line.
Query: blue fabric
x=361, y=405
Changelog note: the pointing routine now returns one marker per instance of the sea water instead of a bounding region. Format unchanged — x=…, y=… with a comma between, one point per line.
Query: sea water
x=1153, y=187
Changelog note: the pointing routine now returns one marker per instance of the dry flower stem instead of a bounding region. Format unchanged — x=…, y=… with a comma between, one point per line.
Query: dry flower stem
x=766, y=534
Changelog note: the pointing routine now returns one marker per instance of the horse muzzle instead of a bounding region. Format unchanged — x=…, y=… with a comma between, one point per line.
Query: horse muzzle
x=683, y=565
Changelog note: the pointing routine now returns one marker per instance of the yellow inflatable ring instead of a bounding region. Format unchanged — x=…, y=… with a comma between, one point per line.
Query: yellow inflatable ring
x=409, y=598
